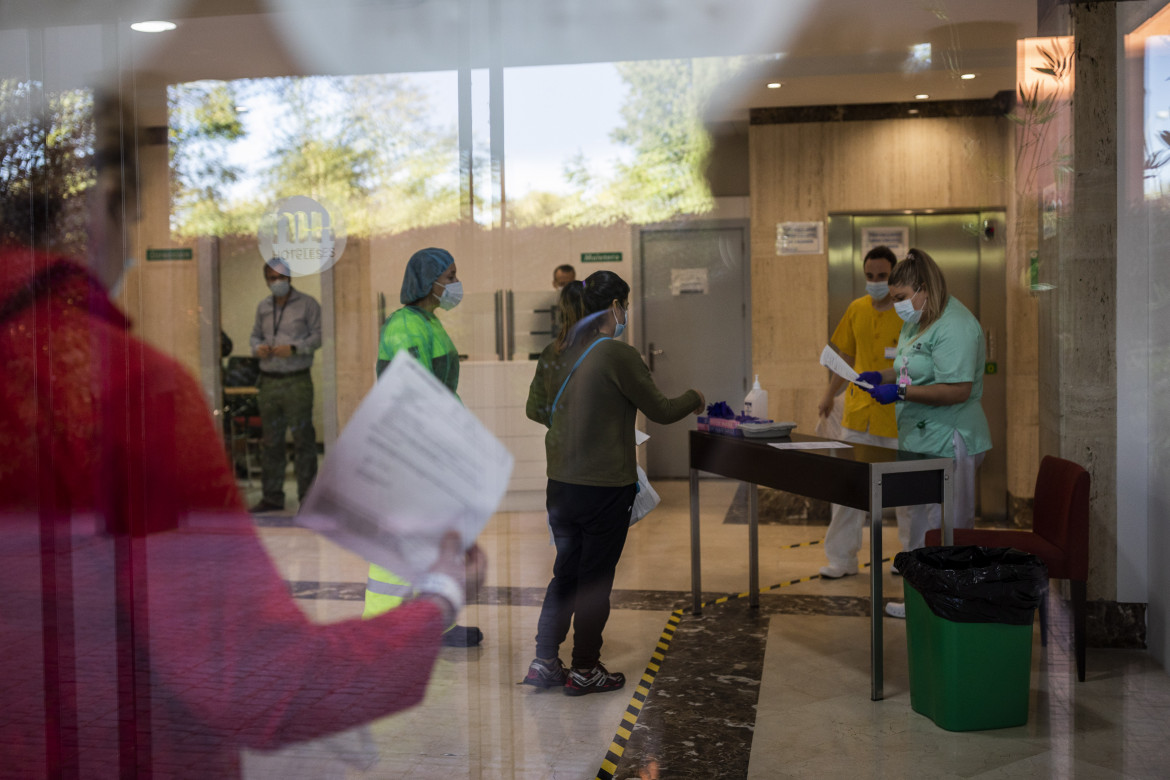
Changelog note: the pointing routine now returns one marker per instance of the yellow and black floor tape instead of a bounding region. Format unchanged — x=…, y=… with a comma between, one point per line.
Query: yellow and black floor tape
x=625, y=729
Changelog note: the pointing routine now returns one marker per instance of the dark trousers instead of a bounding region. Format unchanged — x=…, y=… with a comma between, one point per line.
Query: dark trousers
x=589, y=526
x=286, y=403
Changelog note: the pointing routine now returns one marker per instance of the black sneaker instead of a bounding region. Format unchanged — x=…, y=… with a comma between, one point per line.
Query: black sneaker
x=266, y=506
x=595, y=680
x=546, y=674
x=461, y=636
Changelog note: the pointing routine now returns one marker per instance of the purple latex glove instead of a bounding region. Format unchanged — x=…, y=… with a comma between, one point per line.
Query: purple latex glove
x=870, y=377
x=885, y=394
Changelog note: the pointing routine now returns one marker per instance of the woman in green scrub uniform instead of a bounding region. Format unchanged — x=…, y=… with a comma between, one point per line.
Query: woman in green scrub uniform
x=430, y=283
x=936, y=383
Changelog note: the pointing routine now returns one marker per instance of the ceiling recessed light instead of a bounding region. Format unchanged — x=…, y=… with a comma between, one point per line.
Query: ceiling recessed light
x=774, y=85
x=921, y=97
x=1163, y=115
x=153, y=27
x=967, y=76
x=912, y=111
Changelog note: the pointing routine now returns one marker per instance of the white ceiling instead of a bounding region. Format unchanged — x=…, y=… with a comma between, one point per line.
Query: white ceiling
x=823, y=51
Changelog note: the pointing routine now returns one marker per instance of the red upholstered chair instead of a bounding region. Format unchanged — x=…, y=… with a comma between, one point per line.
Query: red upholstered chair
x=1059, y=537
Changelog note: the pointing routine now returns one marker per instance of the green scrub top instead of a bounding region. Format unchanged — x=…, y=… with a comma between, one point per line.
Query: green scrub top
x=421, y=333
x=950, y=351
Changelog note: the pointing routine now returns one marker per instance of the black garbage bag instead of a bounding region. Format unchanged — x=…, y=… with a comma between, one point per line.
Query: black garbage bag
x=970, y=584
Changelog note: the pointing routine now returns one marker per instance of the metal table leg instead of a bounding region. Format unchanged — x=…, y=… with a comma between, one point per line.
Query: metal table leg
x=753, y=545
x=876, y=607
x=696, y=577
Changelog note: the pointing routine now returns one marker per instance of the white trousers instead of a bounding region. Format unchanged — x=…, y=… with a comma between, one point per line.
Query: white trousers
x=843, y=539
x=927, y=517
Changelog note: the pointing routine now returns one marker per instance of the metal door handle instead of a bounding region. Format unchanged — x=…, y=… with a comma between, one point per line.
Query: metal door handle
x=653, y=352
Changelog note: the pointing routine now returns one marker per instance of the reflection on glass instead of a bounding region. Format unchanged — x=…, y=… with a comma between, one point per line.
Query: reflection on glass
x=610, y=142
x=382, y=148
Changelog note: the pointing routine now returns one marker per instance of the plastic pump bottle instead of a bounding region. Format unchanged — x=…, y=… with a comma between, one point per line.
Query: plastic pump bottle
x=756, y=402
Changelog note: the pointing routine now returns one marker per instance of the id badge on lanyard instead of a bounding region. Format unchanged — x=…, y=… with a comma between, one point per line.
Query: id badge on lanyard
x=904, y=372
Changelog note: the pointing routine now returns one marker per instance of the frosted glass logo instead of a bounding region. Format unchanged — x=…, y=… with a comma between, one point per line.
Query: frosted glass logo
x=302, y=233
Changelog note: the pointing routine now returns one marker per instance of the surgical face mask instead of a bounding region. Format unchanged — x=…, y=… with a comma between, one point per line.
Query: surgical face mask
x=116, y=287
x=877, y=290
x=452, y=294
x=907, y=311
x=280, y=287
x=620, y=328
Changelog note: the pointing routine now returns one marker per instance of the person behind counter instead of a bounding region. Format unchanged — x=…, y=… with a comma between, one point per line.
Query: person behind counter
x=587, y=390
x=936, y=384
x=866, y=337
x=430, y=282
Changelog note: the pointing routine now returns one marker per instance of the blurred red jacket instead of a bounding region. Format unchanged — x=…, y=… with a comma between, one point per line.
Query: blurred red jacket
x=144, y=629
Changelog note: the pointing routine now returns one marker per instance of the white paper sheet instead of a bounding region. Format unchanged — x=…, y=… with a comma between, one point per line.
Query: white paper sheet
x=811, y=445
x=412, y=464
x=835, y=363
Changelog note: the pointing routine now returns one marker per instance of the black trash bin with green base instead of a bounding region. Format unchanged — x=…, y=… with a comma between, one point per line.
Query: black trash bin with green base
x=969, y=614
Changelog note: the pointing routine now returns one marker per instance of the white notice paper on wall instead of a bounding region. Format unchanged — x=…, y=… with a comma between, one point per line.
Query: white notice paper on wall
x=689, y=280
x=897, y=239
x=800, y=238
x=412, y=464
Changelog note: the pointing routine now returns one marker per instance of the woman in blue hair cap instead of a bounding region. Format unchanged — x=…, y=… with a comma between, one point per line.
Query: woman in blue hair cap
x=430, y=283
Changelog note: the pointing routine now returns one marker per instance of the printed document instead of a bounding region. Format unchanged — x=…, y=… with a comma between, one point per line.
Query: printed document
x=412, y=464
x=835, y=363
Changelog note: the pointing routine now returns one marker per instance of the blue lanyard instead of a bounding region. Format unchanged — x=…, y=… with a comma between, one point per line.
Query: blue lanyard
x=571, y=370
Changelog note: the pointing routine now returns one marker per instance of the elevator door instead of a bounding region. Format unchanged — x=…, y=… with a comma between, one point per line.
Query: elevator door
x=969, y=248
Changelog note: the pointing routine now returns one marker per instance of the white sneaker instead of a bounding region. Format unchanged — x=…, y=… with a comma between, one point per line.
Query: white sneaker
x=896, y=609
x=835, y=572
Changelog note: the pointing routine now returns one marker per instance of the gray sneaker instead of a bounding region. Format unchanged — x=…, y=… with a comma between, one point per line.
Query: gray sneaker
x=595, y=680
x=546, y=674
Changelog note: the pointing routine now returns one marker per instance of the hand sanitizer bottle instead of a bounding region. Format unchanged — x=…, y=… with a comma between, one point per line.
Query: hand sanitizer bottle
x=756, y=402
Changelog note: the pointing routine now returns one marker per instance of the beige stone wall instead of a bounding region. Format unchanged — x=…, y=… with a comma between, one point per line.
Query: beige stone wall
x=802, y=172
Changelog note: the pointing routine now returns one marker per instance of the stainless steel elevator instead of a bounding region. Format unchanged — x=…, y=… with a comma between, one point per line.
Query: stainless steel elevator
x=969, y=247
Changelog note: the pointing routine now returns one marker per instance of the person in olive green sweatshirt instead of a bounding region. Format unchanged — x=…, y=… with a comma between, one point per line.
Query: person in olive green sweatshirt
x=588, y=390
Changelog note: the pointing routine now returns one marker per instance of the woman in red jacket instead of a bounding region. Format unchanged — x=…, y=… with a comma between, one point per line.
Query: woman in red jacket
x=145, y=630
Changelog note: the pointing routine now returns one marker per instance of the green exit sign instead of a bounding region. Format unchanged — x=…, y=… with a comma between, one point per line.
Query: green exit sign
x=601, y=257
x=169, y=254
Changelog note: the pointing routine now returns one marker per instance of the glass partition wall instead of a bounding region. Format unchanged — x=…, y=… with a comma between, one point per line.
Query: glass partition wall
x=520, y=135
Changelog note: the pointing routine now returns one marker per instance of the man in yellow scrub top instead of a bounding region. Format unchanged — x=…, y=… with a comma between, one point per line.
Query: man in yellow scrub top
x=867, y=338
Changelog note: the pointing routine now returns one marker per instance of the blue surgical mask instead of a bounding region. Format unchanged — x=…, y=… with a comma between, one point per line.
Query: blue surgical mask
x=907, y=311
x=877, y=290
x=620, y=327
x=452, y=295
x=280, y=287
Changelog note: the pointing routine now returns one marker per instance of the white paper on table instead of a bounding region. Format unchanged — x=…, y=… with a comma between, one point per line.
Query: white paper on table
x=810, y=445
x=835, y=363
x=412, y=464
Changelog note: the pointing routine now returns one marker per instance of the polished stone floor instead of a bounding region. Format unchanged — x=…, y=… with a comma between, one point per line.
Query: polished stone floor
x=782, y=691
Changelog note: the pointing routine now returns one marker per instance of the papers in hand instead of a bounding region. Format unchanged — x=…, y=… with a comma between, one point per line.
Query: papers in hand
x=835, y=363
x=412, y=464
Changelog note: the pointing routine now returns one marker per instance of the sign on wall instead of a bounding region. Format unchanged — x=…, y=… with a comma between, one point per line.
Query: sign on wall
x=896, y=238
x=601, y=257
x=800, y=238
x=689, y=281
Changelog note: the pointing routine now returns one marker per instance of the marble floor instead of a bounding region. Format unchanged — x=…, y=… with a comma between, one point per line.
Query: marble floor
x=776, y=692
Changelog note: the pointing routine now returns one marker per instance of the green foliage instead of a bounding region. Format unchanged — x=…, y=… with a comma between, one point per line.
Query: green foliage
x=663, y=128
x=46, y=165
x=365, y=145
